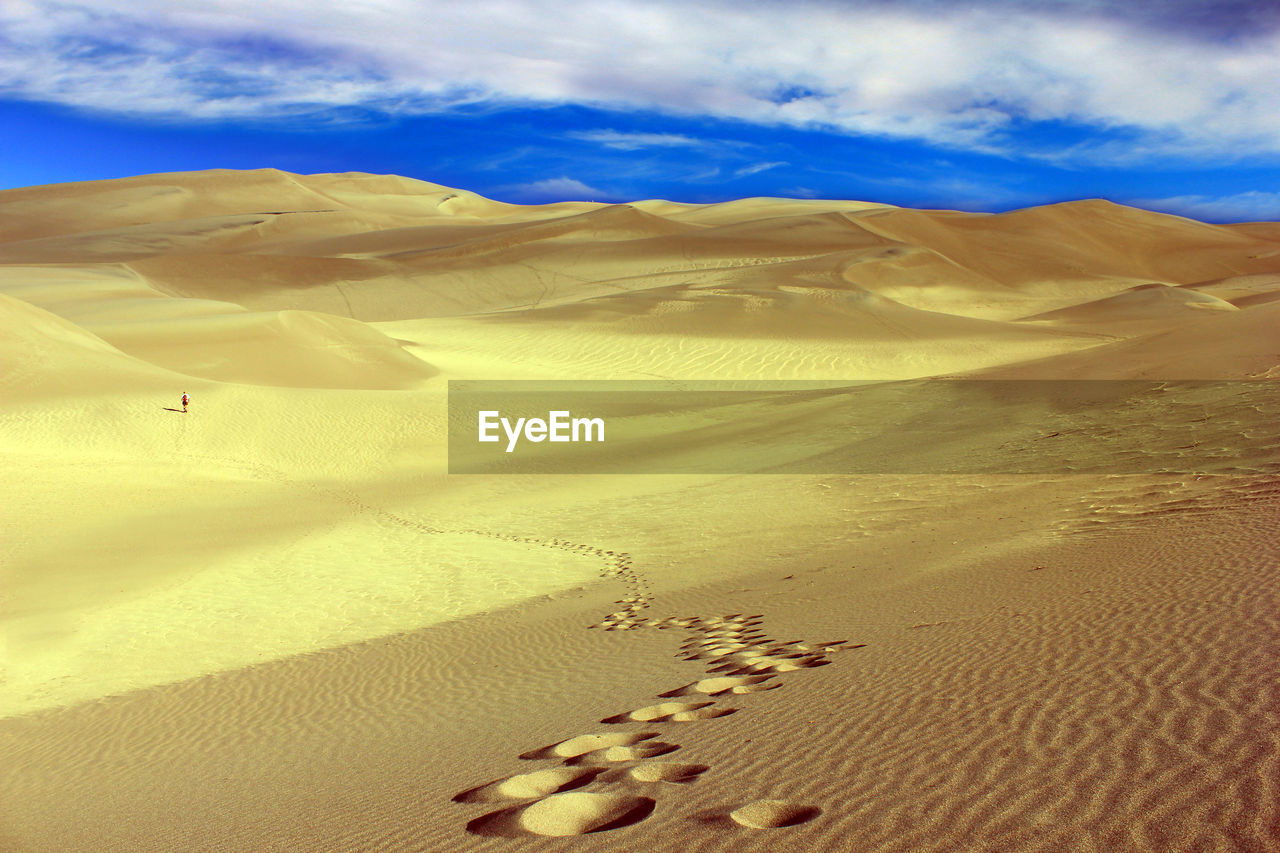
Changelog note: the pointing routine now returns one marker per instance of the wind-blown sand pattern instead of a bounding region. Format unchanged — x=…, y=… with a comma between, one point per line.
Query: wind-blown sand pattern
x=276, y=623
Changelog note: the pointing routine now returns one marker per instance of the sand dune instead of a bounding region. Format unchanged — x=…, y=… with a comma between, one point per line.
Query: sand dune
x=276, y=622
x=47, y=357
x=1144, y=308
x=419, y=250
x=1223, y=345
x=1241, y=290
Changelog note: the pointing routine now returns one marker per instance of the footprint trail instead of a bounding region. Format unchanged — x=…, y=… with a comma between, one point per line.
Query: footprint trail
x=610, y=776
x=607, y=780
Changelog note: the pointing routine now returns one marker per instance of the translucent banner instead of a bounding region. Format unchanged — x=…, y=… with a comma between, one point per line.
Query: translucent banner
x=929, y=426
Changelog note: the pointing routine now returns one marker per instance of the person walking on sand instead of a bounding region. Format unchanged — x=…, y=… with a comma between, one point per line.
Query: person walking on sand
x=186, y=398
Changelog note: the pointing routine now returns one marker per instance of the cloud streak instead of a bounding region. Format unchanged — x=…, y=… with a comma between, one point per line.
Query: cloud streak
x=1253, y=206
x=554, y=189
x=633, y=141
x=932, y=71
x=757, y=168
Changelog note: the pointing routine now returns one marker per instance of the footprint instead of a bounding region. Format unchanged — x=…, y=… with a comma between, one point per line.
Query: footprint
x=667, y=771
x=723, y=684
x=771, y=814
x=756, y=687
x=731, y=667
x=775, y=664
x=612, y=754
x=575, y=813
x=583, y=744
x=527, y=786
x=580, y=813
x=715, y=650
x=679, y=712
x=701, y=714
x=710, y=654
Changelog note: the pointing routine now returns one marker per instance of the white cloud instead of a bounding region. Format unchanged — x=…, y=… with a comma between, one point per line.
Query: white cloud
x=757, y=168
x=624, y=141
x=960, y=76
x=956, y=190
x=1250, y=206
x=557, y=189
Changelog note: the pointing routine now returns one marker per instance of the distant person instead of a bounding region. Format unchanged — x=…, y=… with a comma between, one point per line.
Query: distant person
x=186, y=398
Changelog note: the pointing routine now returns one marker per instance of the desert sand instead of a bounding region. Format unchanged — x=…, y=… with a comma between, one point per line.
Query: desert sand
x=277, y=623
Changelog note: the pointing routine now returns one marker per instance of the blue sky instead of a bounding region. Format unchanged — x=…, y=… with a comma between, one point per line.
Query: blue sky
x=1166, y=104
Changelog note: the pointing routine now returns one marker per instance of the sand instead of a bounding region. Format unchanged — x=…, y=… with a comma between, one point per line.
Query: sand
x=277, y=623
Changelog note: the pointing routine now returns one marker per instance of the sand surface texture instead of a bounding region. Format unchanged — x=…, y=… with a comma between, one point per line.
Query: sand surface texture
x=275, y=622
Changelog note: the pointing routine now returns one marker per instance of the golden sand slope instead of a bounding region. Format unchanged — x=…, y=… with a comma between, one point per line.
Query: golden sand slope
x=275, y=623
